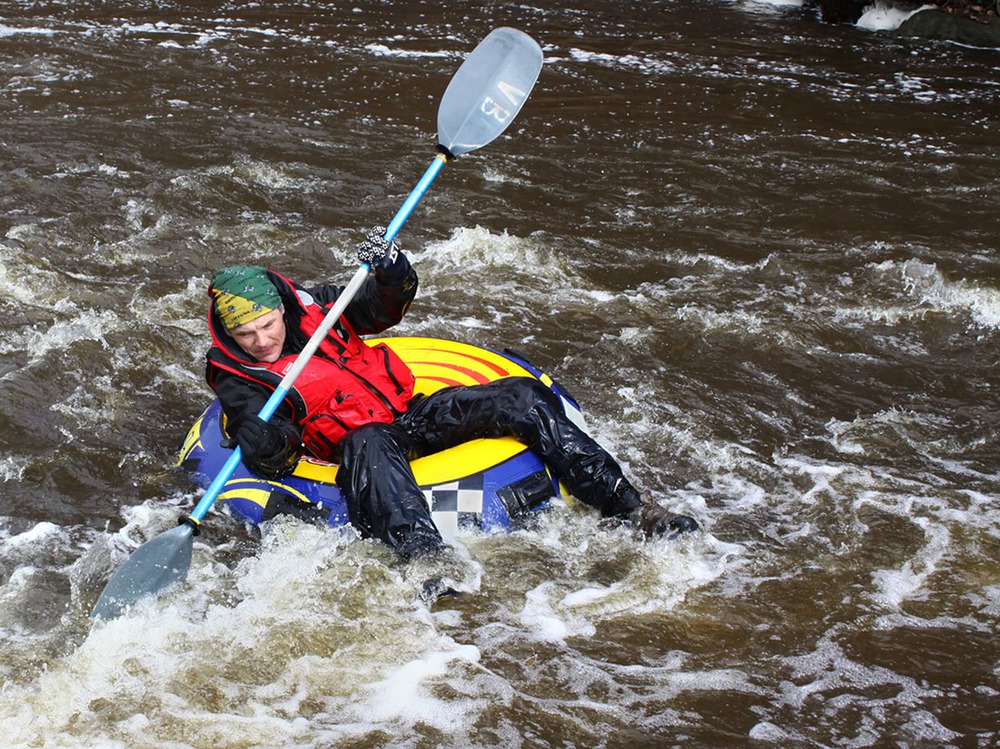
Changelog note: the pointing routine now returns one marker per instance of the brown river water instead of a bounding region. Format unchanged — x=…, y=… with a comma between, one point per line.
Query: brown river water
x=760, y=251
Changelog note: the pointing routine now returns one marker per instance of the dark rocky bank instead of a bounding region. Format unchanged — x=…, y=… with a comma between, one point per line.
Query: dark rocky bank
x=963, y=21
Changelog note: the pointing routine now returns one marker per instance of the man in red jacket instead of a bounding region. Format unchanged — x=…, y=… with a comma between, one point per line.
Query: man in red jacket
x=353, y=403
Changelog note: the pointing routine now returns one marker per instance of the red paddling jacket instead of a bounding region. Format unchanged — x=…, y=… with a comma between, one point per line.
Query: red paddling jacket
x=347, y=382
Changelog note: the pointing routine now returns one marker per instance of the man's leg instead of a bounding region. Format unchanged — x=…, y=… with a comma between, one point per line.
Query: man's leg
x=383, y=498
x=524, y=408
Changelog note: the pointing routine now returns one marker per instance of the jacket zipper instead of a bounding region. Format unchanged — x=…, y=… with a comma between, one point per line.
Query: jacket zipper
x=392, y=375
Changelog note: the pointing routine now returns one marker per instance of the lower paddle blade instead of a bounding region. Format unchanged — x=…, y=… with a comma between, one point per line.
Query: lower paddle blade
x=154, y=566
x=488, y=90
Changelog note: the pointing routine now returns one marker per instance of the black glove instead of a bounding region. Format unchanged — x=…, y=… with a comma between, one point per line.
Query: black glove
x=375, y=251
x=266, y=447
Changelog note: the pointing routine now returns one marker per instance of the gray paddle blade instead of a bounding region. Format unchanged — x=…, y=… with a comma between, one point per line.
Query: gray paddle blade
x=488, y=90
x=157, y=564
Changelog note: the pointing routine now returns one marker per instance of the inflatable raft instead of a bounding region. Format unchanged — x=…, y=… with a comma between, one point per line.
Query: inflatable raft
x=485, y=484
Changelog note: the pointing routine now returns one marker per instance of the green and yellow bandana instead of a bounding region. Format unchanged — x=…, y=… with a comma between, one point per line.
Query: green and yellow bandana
x=243, y=293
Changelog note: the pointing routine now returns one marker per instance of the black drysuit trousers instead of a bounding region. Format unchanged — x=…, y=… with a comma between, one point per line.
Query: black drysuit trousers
x=385, y=501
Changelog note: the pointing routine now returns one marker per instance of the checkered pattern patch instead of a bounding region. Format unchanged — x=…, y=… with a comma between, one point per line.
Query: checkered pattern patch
x=458, y=504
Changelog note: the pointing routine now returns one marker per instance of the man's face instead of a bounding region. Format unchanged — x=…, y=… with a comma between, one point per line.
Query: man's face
x=264, y=337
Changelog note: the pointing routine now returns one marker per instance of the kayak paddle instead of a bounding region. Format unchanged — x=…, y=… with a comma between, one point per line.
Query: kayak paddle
x=482, y=99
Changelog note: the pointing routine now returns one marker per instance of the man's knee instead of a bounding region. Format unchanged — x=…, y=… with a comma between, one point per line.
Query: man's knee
x=363, y=450
x=528, y=394
x=366, y=437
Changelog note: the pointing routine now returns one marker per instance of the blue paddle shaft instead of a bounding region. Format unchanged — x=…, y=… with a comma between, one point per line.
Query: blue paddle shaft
x=416, y=194
x=503, y=69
